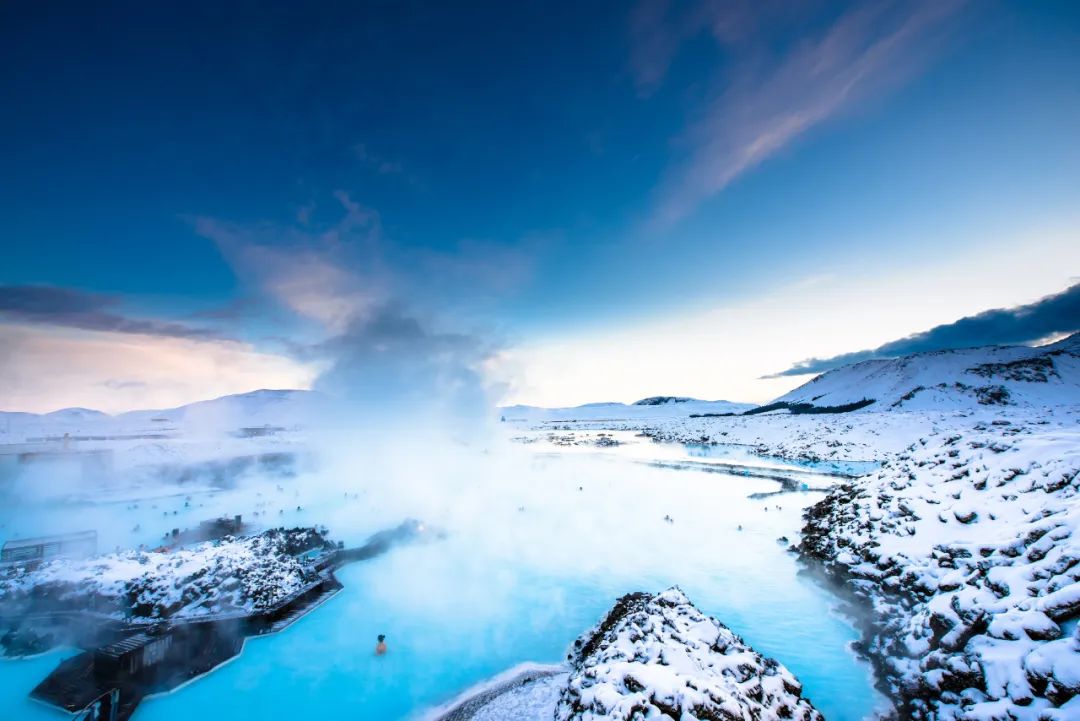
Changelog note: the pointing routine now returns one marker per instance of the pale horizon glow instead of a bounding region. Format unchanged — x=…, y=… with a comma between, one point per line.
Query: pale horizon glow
x=118, y=372
x=717, y=353
x=721, y=353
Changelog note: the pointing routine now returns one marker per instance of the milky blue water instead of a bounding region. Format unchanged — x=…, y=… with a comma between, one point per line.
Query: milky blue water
x=529, y=564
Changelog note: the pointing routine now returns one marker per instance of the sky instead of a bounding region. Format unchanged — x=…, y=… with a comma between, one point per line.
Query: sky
x=556, y=203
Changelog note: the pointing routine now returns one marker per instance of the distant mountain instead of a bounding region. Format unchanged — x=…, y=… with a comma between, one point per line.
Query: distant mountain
x=259, y=407
x=286, y=408
x=655, y=407
x=76, y=414
x=963, y=378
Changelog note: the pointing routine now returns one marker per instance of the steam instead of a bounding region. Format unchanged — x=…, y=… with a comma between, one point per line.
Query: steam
x=389, y=364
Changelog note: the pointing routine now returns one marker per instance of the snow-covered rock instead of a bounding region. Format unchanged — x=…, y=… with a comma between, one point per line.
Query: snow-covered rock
x=657, y=656
x=665, y=400
x=230, y=575
x=965, y=548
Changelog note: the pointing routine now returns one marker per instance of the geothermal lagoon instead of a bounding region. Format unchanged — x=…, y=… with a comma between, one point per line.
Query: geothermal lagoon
x=541, y=538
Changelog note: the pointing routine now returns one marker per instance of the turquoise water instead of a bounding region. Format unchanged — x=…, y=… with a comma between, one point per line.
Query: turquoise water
x=536, y=554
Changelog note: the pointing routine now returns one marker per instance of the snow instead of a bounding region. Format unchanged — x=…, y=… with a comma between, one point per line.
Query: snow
x=227, y=576
x=966, y=546
x=284, y=408
x=652, y=656
x=659, y=656
x=950, y=379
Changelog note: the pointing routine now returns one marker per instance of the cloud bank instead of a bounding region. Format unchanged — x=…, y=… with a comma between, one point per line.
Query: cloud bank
x=1054, y=314
x=71, y=308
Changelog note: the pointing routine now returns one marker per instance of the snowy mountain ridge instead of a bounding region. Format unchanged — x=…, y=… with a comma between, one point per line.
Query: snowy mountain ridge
x=955, y=379
x=256, y=408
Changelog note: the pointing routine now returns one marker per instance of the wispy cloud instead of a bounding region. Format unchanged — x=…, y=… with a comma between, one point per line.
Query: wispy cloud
x=763, y=106
x=1054, y=314
x=327, y=273
x=68, y=307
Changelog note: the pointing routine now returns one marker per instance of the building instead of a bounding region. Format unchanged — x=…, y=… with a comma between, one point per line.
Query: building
x=132, y=655
x=36, y=550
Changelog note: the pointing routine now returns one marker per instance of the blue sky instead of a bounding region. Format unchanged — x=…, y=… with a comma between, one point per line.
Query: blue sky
x=532, y=174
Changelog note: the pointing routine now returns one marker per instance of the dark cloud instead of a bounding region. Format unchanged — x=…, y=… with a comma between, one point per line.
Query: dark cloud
x=1059, y=313
x=51, y=305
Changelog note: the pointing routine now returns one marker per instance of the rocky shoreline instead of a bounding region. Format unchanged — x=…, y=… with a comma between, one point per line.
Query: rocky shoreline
x=962, y=559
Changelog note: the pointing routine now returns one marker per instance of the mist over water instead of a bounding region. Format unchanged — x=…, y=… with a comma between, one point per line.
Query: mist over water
x=539, y=542
x=538, y=547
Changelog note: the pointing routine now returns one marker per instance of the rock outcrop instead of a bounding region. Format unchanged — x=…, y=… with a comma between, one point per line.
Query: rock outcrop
x=659, y=657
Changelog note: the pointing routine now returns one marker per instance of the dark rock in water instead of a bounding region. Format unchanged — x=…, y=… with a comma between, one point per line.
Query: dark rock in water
x=657, y=656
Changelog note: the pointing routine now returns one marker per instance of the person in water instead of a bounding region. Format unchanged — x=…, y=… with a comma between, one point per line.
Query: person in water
x=380, y=647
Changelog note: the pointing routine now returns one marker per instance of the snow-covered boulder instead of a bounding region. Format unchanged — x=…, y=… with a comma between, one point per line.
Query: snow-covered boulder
x=965, y=548
x=659, y=657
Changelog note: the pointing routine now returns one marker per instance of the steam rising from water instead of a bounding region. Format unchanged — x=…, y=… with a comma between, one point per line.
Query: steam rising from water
x=388, y=365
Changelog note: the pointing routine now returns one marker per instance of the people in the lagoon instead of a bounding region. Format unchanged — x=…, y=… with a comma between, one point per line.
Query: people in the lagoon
x=380, y=647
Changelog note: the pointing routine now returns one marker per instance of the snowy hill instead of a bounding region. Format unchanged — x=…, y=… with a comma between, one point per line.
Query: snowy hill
x=971, y=377
x=274, y=407
x=285, y=408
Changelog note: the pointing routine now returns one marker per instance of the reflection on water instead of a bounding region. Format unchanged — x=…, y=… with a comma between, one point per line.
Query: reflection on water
x=538, y=551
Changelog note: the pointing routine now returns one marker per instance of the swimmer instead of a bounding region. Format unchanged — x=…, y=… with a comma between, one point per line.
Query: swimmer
x=380, y=647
